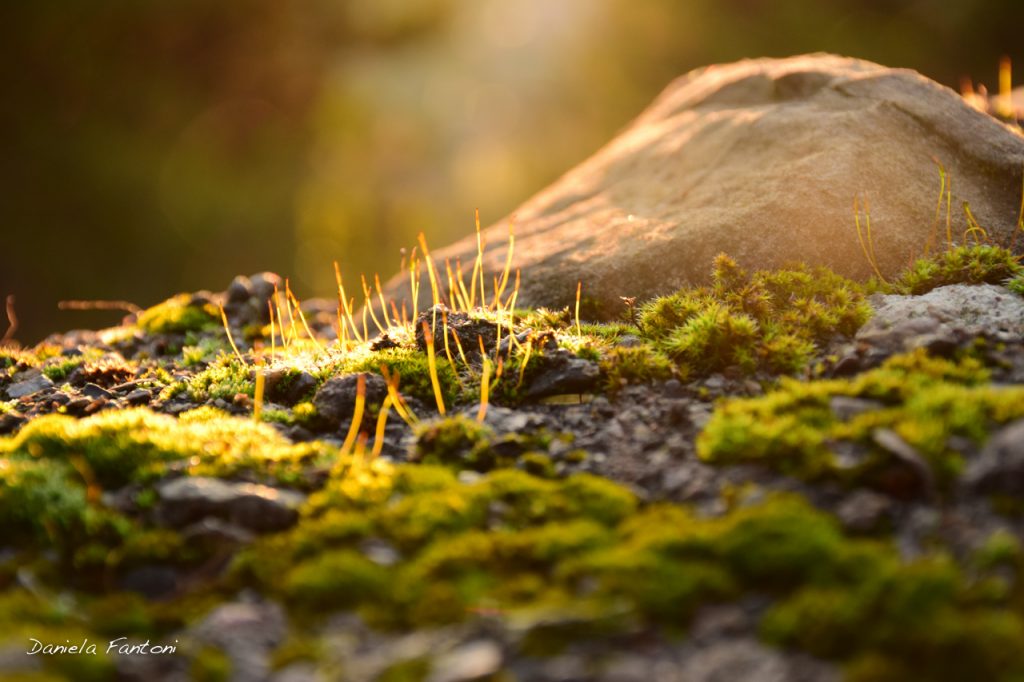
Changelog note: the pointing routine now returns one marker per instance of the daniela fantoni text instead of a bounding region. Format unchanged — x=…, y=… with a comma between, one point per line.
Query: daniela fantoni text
x=117, y=647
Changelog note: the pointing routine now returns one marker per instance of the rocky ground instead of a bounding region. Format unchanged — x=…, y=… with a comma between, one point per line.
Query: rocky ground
x=780, y=476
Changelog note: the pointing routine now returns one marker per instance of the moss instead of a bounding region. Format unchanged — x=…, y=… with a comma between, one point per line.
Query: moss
x=210, y=665
x=409, y=364
x=1016, y=285
x=57, y=371
x=637, y=364
x=224, y=379
x=924, y=400
x=458, y=440
x=179, y=314
x=770, y=320
x=41, y=501
x=975, y=264
x=137, y=444
x=335, y=580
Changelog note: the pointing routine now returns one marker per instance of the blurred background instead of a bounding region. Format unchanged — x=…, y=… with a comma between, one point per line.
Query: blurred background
x=154, y=147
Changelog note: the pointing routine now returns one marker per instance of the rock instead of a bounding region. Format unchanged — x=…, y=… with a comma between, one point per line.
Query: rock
x=912, y=475
x=935, y=319
x=286, y=388
x=471, y=661
x=999, y=467
x=262, y=285
x=846, y=408
x=247, y=633
x=469, y=331
x=257, y=507
x=336, y=399
x=761, y=159
x=563, y=373
x=139, y=396
x=94, y=391
x=239, y=290
x=151, y=581
x=27, y=383
x=864, y=511
x=747, y=660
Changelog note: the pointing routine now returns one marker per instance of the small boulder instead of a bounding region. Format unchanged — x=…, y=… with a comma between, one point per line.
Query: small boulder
x=761, y=159
x=999, y=467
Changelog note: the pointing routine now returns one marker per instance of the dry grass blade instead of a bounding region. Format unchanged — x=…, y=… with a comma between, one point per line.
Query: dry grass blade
x=12, y=320
x=126, y=306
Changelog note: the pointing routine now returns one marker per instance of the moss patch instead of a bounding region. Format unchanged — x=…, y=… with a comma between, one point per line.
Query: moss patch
x=179, y=314
x=975, y=264
x=770, y=320
x=924, y=400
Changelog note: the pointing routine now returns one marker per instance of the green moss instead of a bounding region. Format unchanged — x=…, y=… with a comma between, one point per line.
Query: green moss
x=458, y=440
x=179, y=315
x=224, y=379
x=409, y=364
x=40, y=500
x=975, y=264
x=335, y=580
x=120, y=446
x=771, y=320
x=210, y=665
x=637, y=364
x=57, y=371
x=924, y=400
x=1016, y=285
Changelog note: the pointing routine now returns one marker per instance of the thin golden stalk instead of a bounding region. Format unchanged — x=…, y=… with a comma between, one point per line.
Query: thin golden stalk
x=432, y=364
x=357, y=416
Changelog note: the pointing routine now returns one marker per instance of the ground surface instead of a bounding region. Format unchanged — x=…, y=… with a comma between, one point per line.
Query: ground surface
x=780, y=476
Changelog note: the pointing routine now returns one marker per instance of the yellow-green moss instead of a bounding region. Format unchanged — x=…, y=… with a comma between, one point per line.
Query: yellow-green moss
x=924, y=400
x=770, y=320
x=178, y=315
x=137, y=444
x=974, y=264
x=224, y=379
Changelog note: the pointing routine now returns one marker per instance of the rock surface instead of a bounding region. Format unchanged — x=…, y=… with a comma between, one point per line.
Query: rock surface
x=761, y=159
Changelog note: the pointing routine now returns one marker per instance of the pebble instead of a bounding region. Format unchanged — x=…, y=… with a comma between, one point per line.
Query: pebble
x=27, y=383
x=259, y=508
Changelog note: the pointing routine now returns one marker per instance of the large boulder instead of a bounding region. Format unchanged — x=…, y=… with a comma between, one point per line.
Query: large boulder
x=761, y=159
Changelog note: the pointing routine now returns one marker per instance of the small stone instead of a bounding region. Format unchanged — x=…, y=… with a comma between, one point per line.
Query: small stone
x=152, y=582
x=846, y=408
x=28, y=383
x=259, y=508
x=94, y=391
x=999, y=467
x=239, y=290
x=629, y=341
x=921, y=478
x=864, y=511
x=336, y=399
x=139, y=396
x=564, y=373
x=287, y=388
x=247, y=633
x=261, y=285
x=472, y=661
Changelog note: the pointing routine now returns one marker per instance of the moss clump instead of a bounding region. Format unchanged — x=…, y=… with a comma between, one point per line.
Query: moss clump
x=901, y=618
x=137, y=444
x=924, y=400
x=41, y=501
x=975, y=264
x=57, y=371
x=770, y=320
x=637, y=364
x=409, y=364
x=224, y=379
x=458, y=440
x=179, y=314
x=1016, y=285
x=513, y=542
